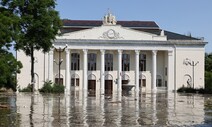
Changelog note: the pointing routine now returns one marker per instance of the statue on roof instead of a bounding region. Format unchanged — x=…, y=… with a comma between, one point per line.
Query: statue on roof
x=109, y=19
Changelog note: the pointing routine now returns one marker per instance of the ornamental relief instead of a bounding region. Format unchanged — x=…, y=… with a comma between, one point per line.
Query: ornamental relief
x=110, y=34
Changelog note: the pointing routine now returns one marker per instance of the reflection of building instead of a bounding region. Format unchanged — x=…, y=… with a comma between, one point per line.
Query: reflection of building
x=102, y=56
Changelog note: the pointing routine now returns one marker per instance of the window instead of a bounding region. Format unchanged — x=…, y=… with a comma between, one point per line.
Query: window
x=108, y=62
x=166, y=71
x=143, y=82
x=142, y=62
x=75, y=61
x=159, y=81
x=74, y=81
x=125, y=62
x=91, y=62
x=57, y=81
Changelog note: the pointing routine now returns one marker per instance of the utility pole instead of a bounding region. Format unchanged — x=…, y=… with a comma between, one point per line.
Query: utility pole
x=59, y=50
x=193, y=64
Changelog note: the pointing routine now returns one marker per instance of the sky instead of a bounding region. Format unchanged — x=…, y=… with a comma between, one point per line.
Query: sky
x=180, y=16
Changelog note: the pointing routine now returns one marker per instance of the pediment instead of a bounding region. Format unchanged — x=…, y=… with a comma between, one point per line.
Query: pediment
x=112, y=32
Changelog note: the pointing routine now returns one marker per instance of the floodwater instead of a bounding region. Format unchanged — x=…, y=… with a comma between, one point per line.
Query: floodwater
x=78, y=109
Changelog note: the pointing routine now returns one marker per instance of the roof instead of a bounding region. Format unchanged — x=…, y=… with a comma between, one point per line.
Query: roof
x=95, y=23
x=176, y=36
x=146, y=26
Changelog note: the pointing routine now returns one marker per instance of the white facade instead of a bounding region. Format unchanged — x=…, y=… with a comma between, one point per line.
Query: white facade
x=168, y=62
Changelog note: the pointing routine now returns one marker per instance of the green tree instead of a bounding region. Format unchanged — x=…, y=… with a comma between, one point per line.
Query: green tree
x=208, y=62
x=9, y=31
x=38, y=22
x=208, y=72
x=9, y=67
x=9, y=28
x=208, y=81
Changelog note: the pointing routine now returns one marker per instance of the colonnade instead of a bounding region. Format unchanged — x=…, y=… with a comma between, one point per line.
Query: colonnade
x=170, y=69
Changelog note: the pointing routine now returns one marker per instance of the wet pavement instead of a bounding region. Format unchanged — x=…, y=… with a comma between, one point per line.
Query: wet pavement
x=78, y=109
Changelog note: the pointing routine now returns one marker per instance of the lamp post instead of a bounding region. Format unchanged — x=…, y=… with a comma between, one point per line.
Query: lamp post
x=193, y=64
x=59, y=50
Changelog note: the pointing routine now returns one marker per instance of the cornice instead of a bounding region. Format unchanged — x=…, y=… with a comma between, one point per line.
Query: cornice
x=129, y=42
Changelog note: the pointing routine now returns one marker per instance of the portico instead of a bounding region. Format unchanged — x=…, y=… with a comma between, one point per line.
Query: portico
x=115, y=64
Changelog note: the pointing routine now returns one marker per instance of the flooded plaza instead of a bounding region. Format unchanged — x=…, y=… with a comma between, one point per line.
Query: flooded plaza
x=78, y=109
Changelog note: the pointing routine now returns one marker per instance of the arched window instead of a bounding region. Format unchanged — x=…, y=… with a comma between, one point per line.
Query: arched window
x=91, y=62
x=75, y=61
x=108, y=62
x=125, y=79
x=126, y=62
x=142, y=62
x=75, y=80
x=142, y=80
x=58, y=80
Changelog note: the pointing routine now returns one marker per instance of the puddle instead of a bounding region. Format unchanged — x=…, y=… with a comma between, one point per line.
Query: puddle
x=77, y=109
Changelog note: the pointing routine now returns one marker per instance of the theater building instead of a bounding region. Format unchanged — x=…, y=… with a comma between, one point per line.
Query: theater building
x=106, y=56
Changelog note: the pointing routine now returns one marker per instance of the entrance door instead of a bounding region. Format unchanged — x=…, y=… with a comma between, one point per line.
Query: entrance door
x=91, y=87
x=143, y=83
x=108, y=87
x=123, y=83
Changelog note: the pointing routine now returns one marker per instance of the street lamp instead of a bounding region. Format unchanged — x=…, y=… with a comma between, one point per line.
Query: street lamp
x=60, y=50
x=191, y=63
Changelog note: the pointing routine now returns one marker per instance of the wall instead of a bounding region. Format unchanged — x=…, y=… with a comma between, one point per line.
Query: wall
x=195, y=54
x=40, y=70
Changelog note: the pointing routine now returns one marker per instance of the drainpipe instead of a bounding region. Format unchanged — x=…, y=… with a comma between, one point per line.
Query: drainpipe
x=175, y=55
x=44, y=70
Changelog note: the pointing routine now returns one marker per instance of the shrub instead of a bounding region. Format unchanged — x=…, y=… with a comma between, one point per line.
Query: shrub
x=26, y=89
x=186, y=90
x=58, y=88
x=49, y=87
x=201, y=90
x=192, y=90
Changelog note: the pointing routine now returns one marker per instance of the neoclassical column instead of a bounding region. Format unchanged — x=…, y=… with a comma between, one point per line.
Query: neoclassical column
x=67, y=70
x=119, y=70
x=50, y=69
x=170, y=71
x=154, y=69
x=137, y=70
x=85, y=69
x=102, y=76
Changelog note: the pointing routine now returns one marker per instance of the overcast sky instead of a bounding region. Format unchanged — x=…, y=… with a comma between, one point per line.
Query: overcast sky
x=180, y=16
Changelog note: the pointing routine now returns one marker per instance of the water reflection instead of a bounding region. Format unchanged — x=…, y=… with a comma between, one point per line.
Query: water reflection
x=8, y=109
x=78, y=109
